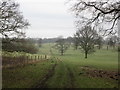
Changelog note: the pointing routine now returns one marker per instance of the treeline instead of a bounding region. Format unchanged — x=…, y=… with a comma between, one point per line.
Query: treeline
x=32, y=45
x=29, y=45
x=19, y=45
x=50, y=40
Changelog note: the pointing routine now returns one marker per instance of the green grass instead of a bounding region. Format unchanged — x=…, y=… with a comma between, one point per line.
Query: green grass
x=25, y=77
x=84, y=81
x=102, y=59
x=72, y=59
x=60, y=78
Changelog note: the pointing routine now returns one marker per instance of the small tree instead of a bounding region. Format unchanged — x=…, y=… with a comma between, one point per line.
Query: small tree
x=76, y=42
x=87, y=37
x=39, y=42
x=61, y=46
x=99, y=42
x=112, y=40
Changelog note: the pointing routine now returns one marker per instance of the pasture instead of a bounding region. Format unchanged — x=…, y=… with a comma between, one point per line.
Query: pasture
x=72, y=70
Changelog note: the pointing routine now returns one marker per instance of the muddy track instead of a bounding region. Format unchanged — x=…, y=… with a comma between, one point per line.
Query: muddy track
x=42, y=83
x=71, y=77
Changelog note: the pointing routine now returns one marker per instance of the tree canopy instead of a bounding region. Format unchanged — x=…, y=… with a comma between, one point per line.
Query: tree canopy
x=87, y=39
x=61, y=46
x=11, y=19
x=103, y=14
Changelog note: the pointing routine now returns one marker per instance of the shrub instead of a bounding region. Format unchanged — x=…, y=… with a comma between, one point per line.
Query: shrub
x=19, y=45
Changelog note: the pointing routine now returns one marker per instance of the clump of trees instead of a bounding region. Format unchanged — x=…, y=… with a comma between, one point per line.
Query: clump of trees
x=12, y=24
x=103, y=15
x=19, y=45
x=61, y=46
x=87, y=39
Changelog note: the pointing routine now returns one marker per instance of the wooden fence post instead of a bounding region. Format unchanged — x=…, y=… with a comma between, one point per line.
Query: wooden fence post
x=31, y=58
x=27, y=59
x=35, y=58
x=45, y=56
x=38, y=57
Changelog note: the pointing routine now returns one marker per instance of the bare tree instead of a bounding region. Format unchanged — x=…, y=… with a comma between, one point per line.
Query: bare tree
x=76, y=42
x=39, y=41
x=87, y=38
x=112, y=40
x=61, y=46
x=99, y=42
x=100, y=13
x=11, y=19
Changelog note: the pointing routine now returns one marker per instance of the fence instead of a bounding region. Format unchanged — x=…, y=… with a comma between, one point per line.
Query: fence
x=22, y=60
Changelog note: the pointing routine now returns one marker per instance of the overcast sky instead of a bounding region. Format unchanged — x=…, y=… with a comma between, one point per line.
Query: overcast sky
x=48, y=18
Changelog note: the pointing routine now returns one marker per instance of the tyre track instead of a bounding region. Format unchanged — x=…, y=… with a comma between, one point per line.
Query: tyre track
x=42, y=83
x=71, y=75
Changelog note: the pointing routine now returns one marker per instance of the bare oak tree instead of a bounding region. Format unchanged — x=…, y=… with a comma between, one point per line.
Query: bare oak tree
x=61, y=46
x=87, y=39
x=102, y=13
x=11, y=19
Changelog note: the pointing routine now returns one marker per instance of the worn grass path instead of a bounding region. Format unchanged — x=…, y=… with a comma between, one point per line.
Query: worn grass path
x=65, y=75
x=62, y=75
x=42, y=83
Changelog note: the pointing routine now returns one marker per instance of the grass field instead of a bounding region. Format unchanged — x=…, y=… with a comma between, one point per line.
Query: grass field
x=69, y=71
x=101, y=59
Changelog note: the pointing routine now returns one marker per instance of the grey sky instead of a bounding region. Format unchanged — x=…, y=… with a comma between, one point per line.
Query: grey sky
x=48, y=18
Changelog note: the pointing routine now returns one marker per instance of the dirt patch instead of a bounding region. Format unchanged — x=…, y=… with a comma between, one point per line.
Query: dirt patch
x=42, y=83
x=92, y=72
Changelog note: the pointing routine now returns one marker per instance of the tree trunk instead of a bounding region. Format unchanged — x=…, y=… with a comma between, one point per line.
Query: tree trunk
x=99, y=47
x=62, y=52
x=86, y=54
x=113, y=46
x=107, y=47
x=75, y=47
